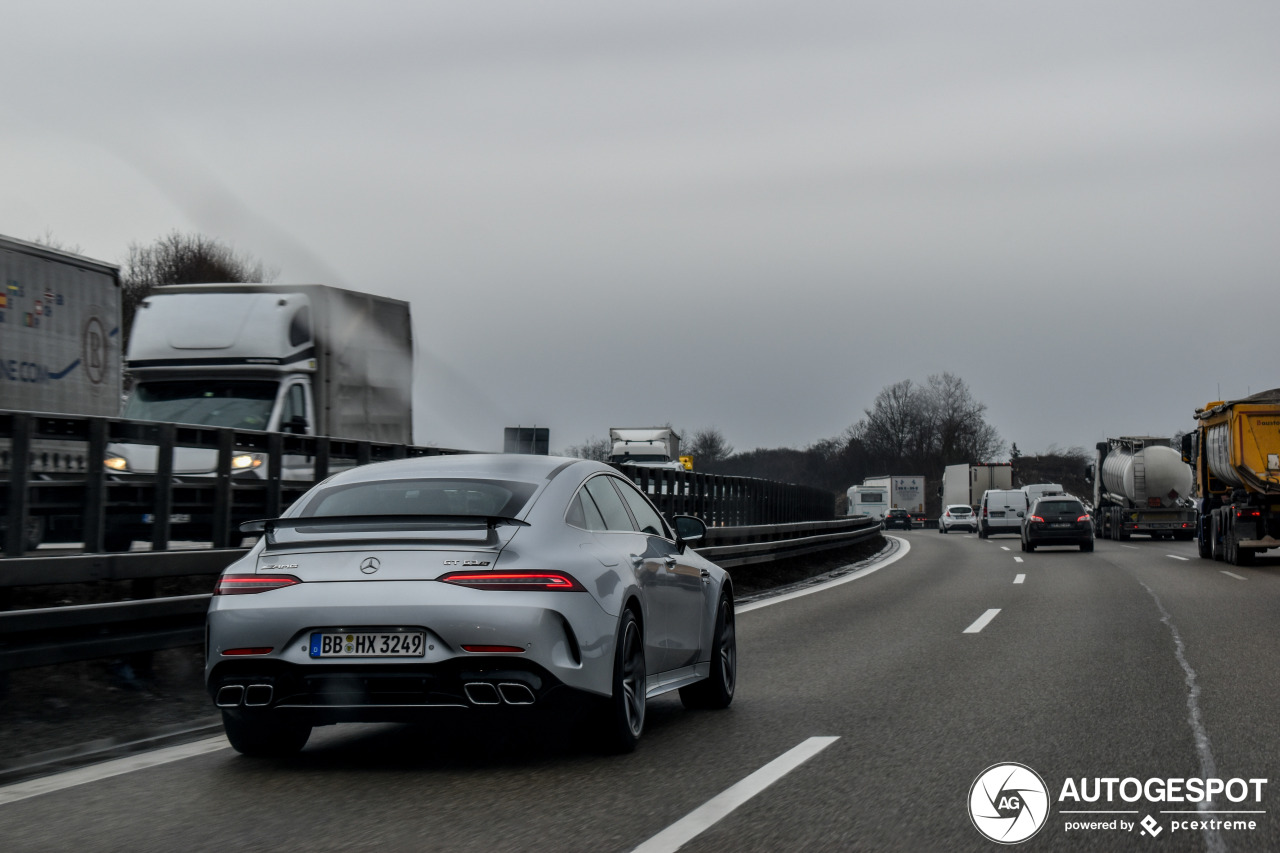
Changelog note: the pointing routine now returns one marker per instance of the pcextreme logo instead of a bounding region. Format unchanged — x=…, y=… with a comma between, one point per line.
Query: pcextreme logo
x=1008, y=803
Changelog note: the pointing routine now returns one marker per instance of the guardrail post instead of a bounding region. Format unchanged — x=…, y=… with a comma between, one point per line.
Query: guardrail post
x=94, y=516
x=275, y=471
x=222, y=490
x=160, y=525
x=322, y=457
x=15, y=540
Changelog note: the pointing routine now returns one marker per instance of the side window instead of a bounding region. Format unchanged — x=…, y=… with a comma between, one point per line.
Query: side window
x=583, y=513
x=646, y=516
x=609, y=504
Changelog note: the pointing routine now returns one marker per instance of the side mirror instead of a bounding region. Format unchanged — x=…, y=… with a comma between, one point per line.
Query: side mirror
x=689, y=529
x=296, y=425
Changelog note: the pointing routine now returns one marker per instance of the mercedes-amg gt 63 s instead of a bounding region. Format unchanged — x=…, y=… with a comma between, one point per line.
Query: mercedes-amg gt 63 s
x=505, y=583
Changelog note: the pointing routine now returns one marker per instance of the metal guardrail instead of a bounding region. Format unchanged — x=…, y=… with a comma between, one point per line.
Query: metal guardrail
x=52, y=635
x=106, y=510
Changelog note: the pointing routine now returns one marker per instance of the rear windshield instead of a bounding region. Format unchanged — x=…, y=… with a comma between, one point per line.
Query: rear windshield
x=480, y=498
x=960, y=510
x=1072, y=508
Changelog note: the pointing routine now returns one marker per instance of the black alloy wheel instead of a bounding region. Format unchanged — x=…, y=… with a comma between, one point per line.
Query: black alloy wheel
x=716, y=691
x=622, y=715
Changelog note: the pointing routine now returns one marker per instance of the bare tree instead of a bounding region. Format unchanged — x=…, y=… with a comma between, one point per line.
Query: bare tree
x=593, y=448
x=707, y=447
x=47, y=239
x=178, y=258
x=958, y=425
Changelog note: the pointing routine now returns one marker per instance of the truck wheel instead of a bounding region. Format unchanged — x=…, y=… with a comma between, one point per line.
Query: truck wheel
x=1215, y=537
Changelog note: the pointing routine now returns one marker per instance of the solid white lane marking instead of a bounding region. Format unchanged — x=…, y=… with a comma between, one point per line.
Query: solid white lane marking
x=982, y=622
x=1176, y=557
x=1233, y=575
x=904, y=547
x=720, y=806
x=1017, y=559
x=1020, y=579
x=107, y=769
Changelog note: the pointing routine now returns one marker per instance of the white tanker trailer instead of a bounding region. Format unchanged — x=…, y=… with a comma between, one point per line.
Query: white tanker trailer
x=1142, y=485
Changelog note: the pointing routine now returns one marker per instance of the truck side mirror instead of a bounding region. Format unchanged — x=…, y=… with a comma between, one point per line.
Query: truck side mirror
x=296, y=425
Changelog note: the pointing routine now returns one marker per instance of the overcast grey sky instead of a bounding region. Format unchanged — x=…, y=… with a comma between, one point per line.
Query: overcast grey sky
x=748, y=215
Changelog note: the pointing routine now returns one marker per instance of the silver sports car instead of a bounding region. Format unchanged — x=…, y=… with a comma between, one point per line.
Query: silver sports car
x=500, y=582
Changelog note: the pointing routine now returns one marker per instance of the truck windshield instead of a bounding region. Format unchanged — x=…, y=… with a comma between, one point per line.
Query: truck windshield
x=639, y=457
x=242, y=404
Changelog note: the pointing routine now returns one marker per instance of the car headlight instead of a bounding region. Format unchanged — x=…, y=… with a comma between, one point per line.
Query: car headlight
x=116, y=463
x=242, y=461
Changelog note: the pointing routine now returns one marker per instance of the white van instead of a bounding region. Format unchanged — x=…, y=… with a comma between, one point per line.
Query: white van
x=1002, y=511
x=1038, y=490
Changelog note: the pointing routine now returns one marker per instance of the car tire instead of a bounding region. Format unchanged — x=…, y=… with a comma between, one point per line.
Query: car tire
x=260, y=736
x=1030, y=547
x=941, y=528
x=716, y=691
x=621, y=716
x=1086, y=546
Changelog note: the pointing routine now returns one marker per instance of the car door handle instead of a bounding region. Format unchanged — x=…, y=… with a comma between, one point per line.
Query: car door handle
x=669, y=562
x=636, y=560
x=706, y=575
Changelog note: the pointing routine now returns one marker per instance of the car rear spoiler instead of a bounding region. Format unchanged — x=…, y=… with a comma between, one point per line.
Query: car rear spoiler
x=485, y=525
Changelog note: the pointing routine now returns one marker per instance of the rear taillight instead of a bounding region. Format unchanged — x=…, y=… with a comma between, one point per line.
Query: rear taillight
x=1248, y=513
x=247, y=584
x=1035, y=518
x=529, y=580
x=1083, y=518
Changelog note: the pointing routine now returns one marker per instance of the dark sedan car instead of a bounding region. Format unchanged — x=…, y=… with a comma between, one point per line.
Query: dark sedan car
x=1057, y=520
x=897, y=518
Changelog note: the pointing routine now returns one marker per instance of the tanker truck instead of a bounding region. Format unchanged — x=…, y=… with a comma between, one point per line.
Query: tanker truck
x=1235, y=451
x=1141, y=485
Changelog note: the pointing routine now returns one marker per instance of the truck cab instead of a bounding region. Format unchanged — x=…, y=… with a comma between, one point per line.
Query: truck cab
x=239, y=360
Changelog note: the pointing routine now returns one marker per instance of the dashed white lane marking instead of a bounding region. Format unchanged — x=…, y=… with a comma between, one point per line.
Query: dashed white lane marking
x=1233, y=575
x=1017, y=559
x=107, y=769
x=1176, y=557
x=1134, y=547
x=982, y=622
x=1004, y=547
x=1019, y=578
x=904, y=547
x=720, y=806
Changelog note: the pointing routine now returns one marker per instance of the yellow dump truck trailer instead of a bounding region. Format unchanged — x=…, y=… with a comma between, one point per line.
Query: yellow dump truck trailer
x=1235, y=451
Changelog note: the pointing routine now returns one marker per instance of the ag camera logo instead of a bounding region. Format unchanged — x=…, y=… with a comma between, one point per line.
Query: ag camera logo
x=1008, y=803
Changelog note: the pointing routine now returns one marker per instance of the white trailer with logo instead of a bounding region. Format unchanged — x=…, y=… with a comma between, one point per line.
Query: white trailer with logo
x=904, y=491
x=59, y=351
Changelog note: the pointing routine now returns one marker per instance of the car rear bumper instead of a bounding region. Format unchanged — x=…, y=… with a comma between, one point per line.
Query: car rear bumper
x=1058, y=537
x=567, y=637
x=346, y=693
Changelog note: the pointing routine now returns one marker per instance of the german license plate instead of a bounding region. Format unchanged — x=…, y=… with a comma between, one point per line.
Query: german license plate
x=1062, y=524
x=368, y=644
x=997, y=513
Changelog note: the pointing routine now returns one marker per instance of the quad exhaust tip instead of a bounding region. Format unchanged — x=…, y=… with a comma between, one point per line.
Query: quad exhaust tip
x=508, y=692
x=516, y=694
x=253, y=696
x=481, y=693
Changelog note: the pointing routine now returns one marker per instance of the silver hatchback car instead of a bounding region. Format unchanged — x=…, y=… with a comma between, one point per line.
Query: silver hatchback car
x=500, y=582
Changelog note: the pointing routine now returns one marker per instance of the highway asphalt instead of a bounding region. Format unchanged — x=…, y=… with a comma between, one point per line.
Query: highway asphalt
x=866, y=714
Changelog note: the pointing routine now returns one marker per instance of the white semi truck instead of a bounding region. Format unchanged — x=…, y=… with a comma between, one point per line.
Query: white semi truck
x=964, y=484
x=1142, y=485
x=307, y=359
x=652, y=447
